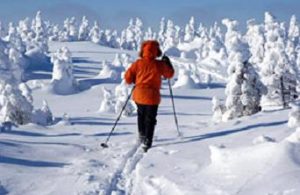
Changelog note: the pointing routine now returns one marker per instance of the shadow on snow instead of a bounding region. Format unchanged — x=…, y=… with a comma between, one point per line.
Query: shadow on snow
x=197, y=138
x=29, y=163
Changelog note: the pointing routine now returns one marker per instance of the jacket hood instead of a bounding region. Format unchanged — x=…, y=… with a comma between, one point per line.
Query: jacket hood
x=150, y=49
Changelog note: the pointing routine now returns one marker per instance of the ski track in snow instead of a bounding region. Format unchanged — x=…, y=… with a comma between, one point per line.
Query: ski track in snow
x=122, y=180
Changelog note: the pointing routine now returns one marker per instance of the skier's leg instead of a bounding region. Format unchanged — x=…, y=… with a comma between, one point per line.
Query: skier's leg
x=150, y=120
x=141, y=122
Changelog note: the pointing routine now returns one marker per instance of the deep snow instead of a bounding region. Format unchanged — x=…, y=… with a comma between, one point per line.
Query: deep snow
x=249, y=155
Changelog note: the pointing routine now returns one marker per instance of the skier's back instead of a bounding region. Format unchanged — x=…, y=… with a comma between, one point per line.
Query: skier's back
x=146, y=73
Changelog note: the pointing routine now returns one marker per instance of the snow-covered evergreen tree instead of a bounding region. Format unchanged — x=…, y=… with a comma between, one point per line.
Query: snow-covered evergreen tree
x=83, y=33
x=26, y=92
x=69, y=32
x=244, y=89
x=162, y=30
x=189, y=34
x=217, y=109
x=294, y=116
x=132, y=36
x=108, y=71
x=14, y=106
x=171, y=36
x=95, y=34
x=107, y=104
x=117, y=61
x=184, y=80
x=63, y=81
x=256, y=40
x=121, y=94
x=278, y=74
x=43, y=116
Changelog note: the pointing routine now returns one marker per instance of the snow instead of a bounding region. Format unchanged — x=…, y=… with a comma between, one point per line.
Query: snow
x=257, y=154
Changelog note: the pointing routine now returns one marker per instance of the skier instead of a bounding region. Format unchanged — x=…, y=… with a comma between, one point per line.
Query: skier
x=146, y=73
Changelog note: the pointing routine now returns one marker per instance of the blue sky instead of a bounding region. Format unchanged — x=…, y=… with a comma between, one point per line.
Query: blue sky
x=116, y=13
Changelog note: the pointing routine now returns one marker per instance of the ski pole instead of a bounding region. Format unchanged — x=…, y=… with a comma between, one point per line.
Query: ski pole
x=173, y=104
x=104, y=144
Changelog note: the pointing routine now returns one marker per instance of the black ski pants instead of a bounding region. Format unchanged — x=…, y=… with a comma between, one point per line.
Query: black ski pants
x=146, y=123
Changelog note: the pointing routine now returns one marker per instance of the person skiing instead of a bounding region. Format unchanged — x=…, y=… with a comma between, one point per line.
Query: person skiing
x=146, y=73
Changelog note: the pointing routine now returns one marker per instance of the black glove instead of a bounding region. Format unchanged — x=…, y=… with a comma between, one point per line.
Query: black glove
x=167, y=60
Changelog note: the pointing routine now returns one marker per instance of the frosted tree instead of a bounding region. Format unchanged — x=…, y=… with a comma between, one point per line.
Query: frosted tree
x=244, y=89
x=39, y=28
x=117, y=61
x=184, y=80
x=294, y=116
x=108, y=71
x=162, y=31
x=189, y=33
x=63, y=81
x=218, y=110
x=14, y=106
x=277, y=73
x=132, y=36
x=107, y=104
x=256, y=40
x=26, y=92
x=121, y=95
x=43, y=116
x=294, y=31
x=83, y=29
x=24, y=29
x=171, y=36
x=73, y=32
x=113, y=40
x=69, y=32
x=54, y=33
x=150, y=35
x=94, y=34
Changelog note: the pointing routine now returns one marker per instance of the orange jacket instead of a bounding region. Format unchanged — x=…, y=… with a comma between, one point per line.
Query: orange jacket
x=147, y=73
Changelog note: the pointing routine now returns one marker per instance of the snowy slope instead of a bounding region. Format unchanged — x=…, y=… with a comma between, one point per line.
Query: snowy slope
x=250, y=155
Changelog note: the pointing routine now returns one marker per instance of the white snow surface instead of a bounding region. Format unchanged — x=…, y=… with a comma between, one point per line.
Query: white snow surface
x=256, y=154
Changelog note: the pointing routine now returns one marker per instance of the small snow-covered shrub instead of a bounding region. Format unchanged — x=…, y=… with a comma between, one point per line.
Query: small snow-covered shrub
x=63, y=81
x=43, y=116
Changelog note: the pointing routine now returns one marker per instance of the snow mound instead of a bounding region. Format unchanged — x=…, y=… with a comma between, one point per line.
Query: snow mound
x=252, y=167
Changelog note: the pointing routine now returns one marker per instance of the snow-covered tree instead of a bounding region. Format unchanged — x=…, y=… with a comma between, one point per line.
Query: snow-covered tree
x=83, y=33
x=121, y=94
x=26, y=92
x=189, y=33
x=162, y=30
x=150, y=35
x=256, y=40
x=171, y=36
x=95, y=33
x=117, y=61
x=108, y=71
x=107, y=104
x=132, y=36
x=43, y=116
x=184, y=80
x=14, y=106
x=277, y=72
x=294, y=116
x=63, y=81
x=244, y=89
x=218, y=110
x=69, y=32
